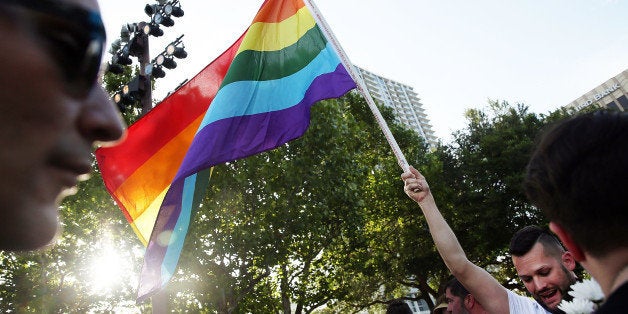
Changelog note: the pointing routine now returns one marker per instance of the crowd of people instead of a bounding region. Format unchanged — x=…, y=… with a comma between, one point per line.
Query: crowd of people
x=54, y=111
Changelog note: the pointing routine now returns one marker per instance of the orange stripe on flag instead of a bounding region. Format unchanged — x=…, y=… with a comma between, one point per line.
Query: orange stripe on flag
x=276, y=14
x=150, y=179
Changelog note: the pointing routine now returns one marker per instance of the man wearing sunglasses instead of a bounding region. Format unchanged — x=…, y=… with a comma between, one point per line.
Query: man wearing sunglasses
x=52, y=112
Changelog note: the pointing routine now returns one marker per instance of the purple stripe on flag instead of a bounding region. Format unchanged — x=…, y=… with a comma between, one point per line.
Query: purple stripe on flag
x=239, y=137
x=155, y=252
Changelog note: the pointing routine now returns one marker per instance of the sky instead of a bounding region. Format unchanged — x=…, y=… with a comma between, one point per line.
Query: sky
x=456, y=54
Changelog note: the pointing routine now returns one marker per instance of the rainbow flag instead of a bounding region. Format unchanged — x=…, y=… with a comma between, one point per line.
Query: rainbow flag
x=277, y=70
x=138, y=171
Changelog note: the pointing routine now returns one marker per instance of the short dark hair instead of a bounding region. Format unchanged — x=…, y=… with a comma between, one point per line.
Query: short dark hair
x=456, y=288
x=398, y=307
x=524, y=239
x=577, y=176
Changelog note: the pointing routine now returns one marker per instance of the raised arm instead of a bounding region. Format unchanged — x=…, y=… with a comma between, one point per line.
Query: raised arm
x=484, y=288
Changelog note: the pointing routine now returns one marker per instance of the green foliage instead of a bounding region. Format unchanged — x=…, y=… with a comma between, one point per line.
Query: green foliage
x=490, y=160
x=481, y=181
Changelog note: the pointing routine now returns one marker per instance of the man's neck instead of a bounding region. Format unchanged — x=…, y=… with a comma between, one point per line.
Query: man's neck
x=610, y=271
x=620, y=279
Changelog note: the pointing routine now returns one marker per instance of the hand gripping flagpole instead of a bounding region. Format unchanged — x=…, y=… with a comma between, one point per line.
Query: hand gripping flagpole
x=361, y=85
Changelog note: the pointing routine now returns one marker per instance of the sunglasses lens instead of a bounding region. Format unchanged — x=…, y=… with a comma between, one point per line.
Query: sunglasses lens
x=83, y=76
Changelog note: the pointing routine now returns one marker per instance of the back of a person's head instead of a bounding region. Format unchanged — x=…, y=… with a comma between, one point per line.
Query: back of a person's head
x=456, y=288
x=398, y=307
x=577, y=176
x=524, y=239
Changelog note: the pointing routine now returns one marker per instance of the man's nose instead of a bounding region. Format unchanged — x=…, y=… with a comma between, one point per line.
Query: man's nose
x=99, y=118
x=539, y=283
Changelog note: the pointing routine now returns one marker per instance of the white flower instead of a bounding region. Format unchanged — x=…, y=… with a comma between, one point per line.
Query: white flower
x=577, y=306
x=587, y=290
x=587, y=297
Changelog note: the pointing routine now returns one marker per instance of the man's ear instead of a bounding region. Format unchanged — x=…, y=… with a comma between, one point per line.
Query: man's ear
x=469, y=301
x=574, y=250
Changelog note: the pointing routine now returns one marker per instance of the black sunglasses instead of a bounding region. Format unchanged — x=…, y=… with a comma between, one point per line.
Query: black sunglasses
x=75, y=37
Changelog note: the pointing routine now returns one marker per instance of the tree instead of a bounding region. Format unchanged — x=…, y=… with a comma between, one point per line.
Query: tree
x=481, y=182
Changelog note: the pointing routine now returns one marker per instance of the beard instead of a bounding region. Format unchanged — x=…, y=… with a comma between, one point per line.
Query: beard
x=562, y=289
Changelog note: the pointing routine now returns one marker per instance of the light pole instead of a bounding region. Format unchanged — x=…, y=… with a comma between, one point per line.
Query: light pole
x=134, y=42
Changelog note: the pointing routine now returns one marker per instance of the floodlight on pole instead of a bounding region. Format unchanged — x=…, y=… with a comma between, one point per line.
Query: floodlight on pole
x=154, y=30
x=151, y=9
x=177, y=11
x=167, y=21
x=115, y=68
x=134, y=42
x=122, y=59
x=177, y=52
x=168, y=9
x=169, y=64
x=158, y=72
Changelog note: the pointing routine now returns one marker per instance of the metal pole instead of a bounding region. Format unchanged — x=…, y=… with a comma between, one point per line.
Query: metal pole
x=361, y=85
x=147, y=100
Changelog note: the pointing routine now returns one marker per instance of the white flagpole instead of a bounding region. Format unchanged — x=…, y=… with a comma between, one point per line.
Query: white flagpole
x=361, y=85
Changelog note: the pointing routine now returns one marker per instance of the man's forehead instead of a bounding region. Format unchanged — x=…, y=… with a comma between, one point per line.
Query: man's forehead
x=532, y=261
x=448, y=293
x=450, y=296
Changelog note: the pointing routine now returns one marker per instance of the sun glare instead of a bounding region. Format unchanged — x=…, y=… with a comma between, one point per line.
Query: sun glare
x=106, y=270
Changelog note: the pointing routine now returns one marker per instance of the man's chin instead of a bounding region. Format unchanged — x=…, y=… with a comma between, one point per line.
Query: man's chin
x=550, y=305
x=37, y=230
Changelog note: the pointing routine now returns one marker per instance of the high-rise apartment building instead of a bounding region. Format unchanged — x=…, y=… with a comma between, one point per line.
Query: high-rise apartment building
x=610, y=94
x=404, y=102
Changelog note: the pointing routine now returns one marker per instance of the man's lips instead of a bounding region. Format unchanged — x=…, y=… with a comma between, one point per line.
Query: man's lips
x=549, y=296
x=70, y=169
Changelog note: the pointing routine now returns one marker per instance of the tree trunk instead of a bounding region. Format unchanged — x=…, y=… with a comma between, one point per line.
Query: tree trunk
x=285, y=289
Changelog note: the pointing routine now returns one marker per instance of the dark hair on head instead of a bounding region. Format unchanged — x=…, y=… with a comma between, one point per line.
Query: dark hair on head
x=577, y=177
x=524, y=239
x=398, y=307
x=456, y=288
